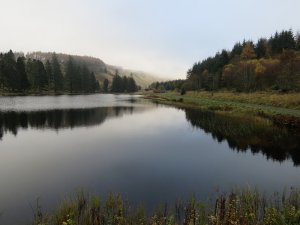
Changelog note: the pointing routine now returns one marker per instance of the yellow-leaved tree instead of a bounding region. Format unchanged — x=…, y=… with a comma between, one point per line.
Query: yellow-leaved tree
x=247, y=55
x=248, y=52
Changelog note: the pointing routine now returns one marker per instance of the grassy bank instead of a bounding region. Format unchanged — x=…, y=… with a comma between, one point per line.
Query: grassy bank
x=282, y=108
x=239, y=207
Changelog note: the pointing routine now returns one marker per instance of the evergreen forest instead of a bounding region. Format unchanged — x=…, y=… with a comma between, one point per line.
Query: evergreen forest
x=27, y=75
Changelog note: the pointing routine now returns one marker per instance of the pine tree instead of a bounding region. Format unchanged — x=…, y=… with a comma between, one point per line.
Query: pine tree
x=57, y=74
x=105, y=85
x=9, y=74
x=85, y=77
x=116, y=83
x=275, y=43
x=131, y=86
x=37, y=74
x=236, y=50
x=95, y=83
x=124, y=84
x=283, y=40
x=224, y=58
x=69, y=77
x=42, y=75
x=24, y=83
x=288, y=40
x=77, y=84
x=261, y=48
x=297, y=40
x=49, y=72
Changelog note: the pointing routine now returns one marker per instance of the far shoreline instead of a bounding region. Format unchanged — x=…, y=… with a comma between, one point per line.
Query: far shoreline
x=17, y=94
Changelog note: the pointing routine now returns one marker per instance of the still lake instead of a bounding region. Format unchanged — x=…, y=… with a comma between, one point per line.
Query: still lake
x=51, y=146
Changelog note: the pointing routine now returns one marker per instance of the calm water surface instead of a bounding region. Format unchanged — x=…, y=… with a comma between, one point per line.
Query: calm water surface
x=50, y=146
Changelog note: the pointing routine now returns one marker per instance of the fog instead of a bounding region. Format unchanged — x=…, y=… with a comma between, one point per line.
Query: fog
x=160, y=37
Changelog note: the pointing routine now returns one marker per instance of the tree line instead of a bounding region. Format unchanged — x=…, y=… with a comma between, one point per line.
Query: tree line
x=120, y=84
x=20, y=74
x=268, y=64
x=272, y=63
x=167, y=85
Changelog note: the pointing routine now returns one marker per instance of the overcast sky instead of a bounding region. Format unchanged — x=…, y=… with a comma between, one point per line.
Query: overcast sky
x=164, y=37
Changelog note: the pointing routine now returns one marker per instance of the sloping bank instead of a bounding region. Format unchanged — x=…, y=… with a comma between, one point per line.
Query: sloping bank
x=281, y=109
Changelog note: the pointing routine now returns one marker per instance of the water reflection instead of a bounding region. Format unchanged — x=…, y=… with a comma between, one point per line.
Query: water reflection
x=257, y=134
x=59, y=118
x=151, y=156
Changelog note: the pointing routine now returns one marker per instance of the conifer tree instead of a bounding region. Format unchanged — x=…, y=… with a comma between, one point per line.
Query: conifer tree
x=57, y=74
x=48, y=68
x=9, y=75
x=131, y=85
x=116, y=83
x=24, y=83
x=105, y=85
x=261, y=48
x=37, y=74
x=69, y=77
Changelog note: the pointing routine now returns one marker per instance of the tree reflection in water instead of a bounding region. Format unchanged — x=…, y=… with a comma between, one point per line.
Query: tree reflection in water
x=59, y=118
x=249, y=133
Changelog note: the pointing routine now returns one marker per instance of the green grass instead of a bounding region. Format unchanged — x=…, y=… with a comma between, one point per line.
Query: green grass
x=239, y=207
x=263, y=103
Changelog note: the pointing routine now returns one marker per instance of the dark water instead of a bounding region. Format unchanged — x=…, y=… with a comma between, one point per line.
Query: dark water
x=50, y=146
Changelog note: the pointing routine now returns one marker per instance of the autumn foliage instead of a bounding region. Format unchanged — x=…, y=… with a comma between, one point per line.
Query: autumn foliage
x=272, y=63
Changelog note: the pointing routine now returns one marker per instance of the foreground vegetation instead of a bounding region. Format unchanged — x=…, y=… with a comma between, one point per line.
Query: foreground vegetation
x=239, y=207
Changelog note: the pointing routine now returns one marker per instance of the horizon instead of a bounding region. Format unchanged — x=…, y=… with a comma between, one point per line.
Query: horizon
x=126, y=34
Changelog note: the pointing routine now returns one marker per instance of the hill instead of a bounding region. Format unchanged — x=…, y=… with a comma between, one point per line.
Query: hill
x=270, y=64
x=96, y=65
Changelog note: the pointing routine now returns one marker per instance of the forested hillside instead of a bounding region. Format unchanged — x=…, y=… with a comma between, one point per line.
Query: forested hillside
x=101, y=70
x=268, y=64
x=31, y=75
x=272, y=63
x=40, y=72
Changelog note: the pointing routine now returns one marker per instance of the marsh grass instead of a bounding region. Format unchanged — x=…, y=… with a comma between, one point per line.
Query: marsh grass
x=282, y=109
x=284, y=100
x=239, y=207
x=269, y=102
